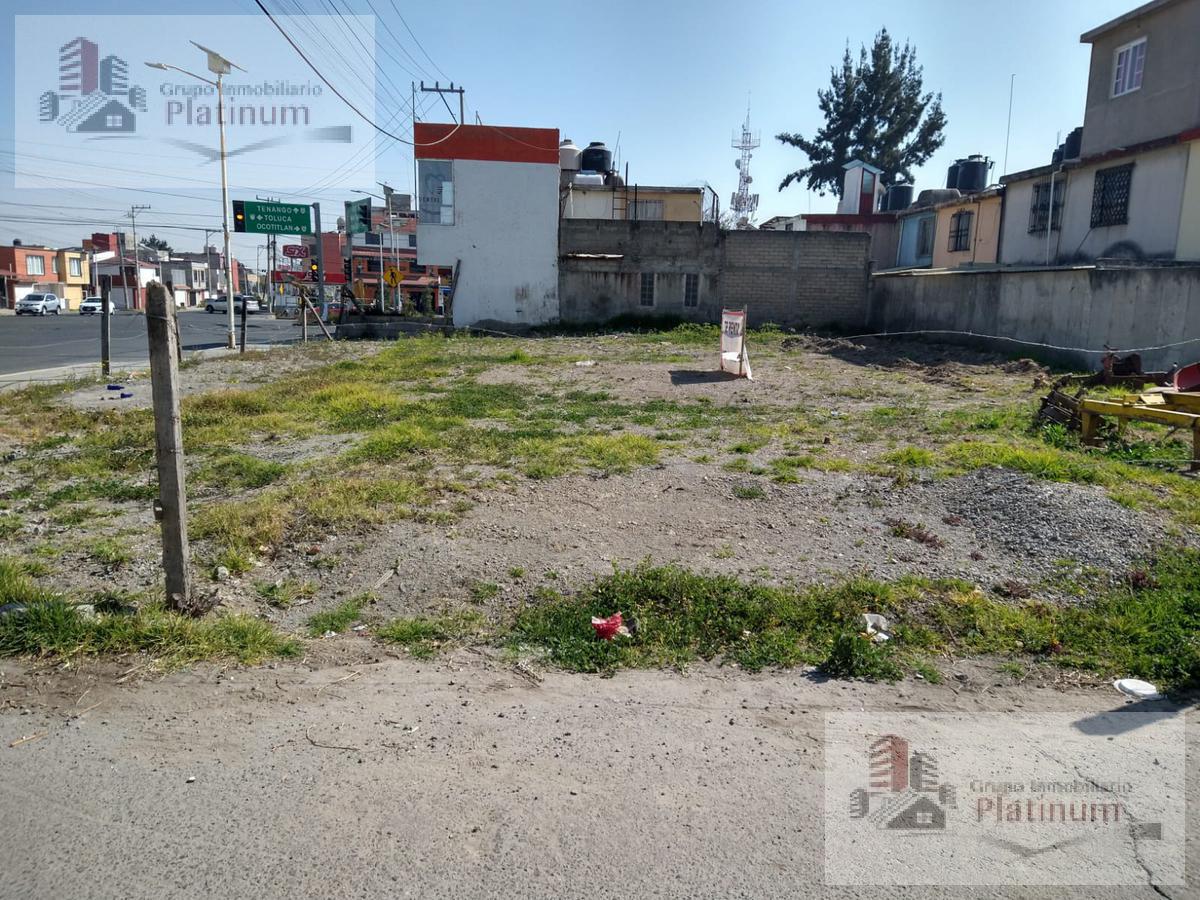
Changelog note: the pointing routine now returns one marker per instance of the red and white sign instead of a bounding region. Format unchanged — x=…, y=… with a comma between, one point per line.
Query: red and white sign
x=295, y=251
x=734, y=358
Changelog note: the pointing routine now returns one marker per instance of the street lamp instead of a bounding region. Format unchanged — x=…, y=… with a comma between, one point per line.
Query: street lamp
x=219, y=66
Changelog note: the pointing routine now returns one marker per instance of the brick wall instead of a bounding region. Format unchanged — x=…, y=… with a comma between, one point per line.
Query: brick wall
x=787, y=278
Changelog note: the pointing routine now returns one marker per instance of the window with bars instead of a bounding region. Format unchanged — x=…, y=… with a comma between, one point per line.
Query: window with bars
x=1129, y=62
x=960, y=231
x=691, y=289
x=647, y=292
x=1110, y=196
x=1040, y=207
x=925, y=237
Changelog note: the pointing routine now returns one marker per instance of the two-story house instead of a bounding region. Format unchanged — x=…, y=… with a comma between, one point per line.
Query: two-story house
x=74, y=276
x=25, y=268
x=1129, y=186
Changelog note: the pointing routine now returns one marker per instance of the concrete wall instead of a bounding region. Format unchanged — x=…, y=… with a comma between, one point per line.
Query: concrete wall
x=1084, y=307
x=790, y=278
x=505, y=233
x=1169, y=99
x=984, y=237
x=1155, y=204
x=883, y=230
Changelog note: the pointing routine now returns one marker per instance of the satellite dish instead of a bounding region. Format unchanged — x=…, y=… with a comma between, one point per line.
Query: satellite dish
x=749, y=179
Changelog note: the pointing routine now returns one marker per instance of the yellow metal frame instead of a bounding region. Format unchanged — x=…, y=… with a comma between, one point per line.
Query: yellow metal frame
x=1091, y=412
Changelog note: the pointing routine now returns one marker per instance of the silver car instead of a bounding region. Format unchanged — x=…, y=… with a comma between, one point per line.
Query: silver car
x=38, y=305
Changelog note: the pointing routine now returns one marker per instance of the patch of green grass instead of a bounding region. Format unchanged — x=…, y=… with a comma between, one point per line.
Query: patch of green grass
x=1047, y=463
x=748, y=492
x=109, y=551
x=285, y=592
x=482, y=591
x=1145, y=629
x=241, y=525
x=910, y=457
x=516, y=573
x=725, y=551
x=240, y=471
x=424, y=637
x=10, y=525
x=340, y=617
x=52, y=627
x=116, y=490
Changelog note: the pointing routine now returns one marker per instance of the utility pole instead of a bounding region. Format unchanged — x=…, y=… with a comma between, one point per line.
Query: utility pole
x=320, y=255
x=105, y=282
x=391, y=219
x=137, y=265
x=171, y=510
x=442, y=91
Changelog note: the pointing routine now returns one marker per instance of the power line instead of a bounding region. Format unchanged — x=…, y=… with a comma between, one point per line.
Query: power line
x=400, y=15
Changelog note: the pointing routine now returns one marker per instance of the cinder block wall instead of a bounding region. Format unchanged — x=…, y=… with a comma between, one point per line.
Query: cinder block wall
x=797, y=278
x=788, y=278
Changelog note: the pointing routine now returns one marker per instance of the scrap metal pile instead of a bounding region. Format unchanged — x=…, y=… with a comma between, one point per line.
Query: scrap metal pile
x=1169, y=398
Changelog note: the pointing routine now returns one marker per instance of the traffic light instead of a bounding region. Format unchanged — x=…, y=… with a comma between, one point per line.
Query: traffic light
x=312, y=269
x=239, y=215
x=358, y=216
x=347, y=269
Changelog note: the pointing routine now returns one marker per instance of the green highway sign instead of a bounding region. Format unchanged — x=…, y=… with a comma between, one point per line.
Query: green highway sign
x=271, y=218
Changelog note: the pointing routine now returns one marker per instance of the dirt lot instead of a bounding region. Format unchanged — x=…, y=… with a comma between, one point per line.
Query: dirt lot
x=442, y=475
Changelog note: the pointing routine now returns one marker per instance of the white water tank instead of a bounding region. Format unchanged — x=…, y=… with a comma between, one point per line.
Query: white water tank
x=569, y=156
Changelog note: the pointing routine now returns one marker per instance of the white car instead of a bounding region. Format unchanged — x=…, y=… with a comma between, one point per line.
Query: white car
x=93, y=305
x=221, y=304
x=38, y=305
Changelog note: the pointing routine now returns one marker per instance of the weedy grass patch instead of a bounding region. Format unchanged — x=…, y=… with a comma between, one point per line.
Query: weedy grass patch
x=51, y=626
x=425, y=636
x=340, y=617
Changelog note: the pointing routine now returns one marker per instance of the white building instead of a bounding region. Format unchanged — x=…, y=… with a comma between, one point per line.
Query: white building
x=488, y=205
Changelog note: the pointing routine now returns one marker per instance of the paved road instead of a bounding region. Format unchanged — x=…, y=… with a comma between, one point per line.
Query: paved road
x=454, y=779
x=30, y=343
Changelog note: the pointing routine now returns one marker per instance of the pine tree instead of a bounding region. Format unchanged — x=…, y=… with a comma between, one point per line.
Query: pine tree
x=875, y=110
x=156, y=243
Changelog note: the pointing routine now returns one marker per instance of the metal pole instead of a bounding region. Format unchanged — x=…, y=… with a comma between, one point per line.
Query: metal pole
x=381, y=286
x=137, y=264
x=320, y=255
x=225, y=212
x=105, y=325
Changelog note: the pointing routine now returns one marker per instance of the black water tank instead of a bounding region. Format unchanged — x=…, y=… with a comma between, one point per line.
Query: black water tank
x=899, y=196
x=1074, y=144
x=973, y=174
x=1056, y=157
x=952, y=177
x=596, y=158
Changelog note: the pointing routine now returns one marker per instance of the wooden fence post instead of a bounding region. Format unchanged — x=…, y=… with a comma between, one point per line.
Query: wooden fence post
x=168, y=442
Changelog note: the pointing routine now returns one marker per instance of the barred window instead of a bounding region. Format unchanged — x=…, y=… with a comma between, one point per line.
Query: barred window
x=960, y=231
x=647, y=294
x=1040, y=208
x=691, y=289
x=1110, y=196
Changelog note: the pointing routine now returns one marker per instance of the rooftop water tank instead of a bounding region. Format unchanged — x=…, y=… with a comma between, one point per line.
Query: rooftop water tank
x=596, y=158
x=1074, y=144
x=589, y=179
x=973, y=173
x=952, y=177
x=899, y=196
x=569, y=156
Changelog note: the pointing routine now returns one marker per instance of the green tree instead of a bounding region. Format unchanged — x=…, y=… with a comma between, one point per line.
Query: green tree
x=875, y=110
x=154, y=242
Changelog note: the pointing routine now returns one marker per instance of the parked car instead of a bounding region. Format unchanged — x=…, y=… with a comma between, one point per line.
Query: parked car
x=38, y=305
x=93, y=305
x=221, y=304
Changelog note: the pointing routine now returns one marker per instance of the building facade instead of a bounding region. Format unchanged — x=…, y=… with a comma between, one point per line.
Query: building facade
x=967, y=230
x=488, y=208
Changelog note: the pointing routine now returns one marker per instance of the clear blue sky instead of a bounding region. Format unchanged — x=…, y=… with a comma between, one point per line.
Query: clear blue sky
x=670, y=77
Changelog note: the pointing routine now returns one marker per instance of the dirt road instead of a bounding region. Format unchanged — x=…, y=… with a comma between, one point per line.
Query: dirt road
x=462, y=778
